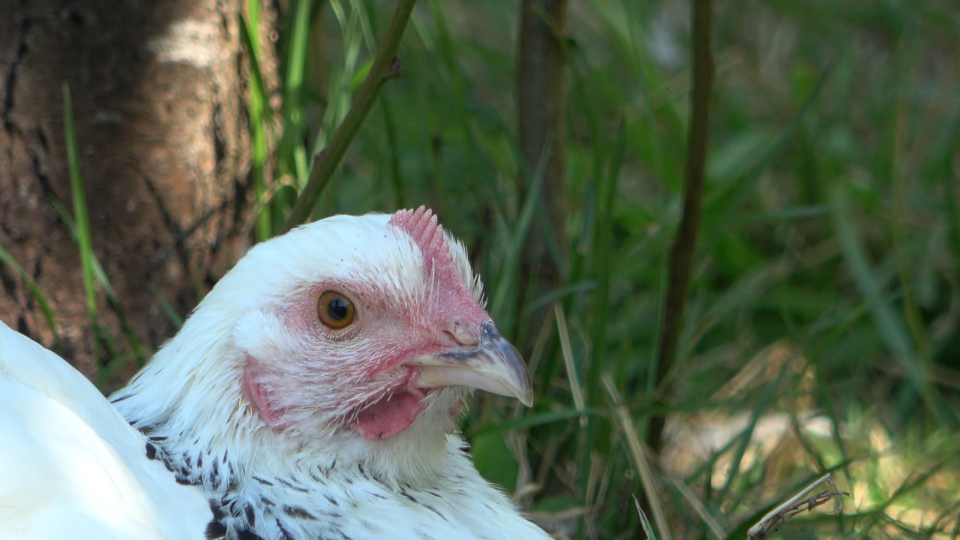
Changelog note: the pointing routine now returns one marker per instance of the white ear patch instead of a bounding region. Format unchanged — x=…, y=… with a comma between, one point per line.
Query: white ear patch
x=264, y=337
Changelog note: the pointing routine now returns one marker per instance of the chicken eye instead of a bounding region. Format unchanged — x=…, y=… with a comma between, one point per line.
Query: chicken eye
x=335, y=310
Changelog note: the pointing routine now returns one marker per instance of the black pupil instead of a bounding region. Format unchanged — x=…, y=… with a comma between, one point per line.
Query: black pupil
x=337, y=309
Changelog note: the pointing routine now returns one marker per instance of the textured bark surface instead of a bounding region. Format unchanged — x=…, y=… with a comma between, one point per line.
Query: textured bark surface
x=158, y=101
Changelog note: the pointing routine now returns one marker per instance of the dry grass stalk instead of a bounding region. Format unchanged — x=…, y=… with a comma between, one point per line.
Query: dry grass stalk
x=639, y=458
x=797, y=504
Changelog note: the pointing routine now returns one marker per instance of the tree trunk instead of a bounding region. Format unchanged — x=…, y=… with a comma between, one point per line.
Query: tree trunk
x=159, y=109
x=540, y=97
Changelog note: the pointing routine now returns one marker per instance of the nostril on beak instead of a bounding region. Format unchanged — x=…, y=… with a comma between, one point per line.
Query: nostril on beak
x=461, y=332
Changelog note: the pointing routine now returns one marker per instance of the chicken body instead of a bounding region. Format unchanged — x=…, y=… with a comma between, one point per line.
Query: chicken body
x=314, y=392
x=72, y=467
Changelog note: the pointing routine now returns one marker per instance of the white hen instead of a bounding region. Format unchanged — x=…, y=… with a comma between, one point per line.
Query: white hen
x=71, y=466
x=311, y=395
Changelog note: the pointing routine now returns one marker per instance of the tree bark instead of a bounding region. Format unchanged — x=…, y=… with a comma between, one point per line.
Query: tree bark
x=158, y=102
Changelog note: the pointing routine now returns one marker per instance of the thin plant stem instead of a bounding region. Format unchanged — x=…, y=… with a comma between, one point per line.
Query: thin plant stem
x=386, y=66
x=681, y=254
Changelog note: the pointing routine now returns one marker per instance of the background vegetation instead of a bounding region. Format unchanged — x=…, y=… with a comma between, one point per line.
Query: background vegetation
x=821, y=326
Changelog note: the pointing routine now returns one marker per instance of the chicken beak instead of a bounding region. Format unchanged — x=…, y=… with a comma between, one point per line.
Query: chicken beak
x=493, y=365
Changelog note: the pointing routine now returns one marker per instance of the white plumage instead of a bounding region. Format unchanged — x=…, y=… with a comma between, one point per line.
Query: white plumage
x=71, y=466
x=312, y=394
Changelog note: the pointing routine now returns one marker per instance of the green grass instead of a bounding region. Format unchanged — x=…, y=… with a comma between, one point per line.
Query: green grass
x=825, y=284
x=7, y=259
x=82, y=227
x=111, y=357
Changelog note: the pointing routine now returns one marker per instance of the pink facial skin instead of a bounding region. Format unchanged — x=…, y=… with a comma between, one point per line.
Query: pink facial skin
x=384, y=400
x=258, y=396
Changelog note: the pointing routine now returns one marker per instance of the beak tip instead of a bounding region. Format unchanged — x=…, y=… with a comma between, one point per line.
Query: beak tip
x=526, y=398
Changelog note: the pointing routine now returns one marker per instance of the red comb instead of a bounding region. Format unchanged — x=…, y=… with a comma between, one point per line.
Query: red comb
x=427, y=233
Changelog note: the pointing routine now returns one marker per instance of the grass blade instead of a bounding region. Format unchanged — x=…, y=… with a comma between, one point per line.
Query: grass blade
x=516, y=243
x=639, y=458
x=7, y=259
x=292, y=147
x=101, y=279
x=575, y=387
x=249, y=34
x=385, y=66
x=892, y=328
x=79, y=196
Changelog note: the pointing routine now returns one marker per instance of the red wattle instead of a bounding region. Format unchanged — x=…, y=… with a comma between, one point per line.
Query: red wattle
x=390, y=415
